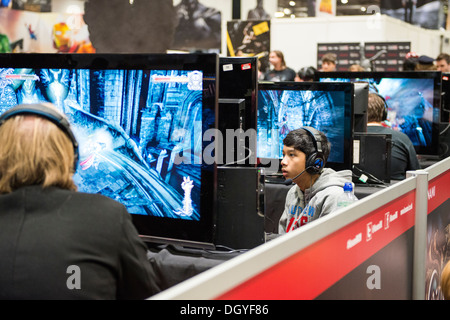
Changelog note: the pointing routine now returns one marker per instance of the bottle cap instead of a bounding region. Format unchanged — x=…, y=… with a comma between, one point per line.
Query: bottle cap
x=348, y=186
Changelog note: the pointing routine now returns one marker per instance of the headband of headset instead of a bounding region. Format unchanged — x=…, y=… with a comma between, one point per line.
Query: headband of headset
x=315, y=161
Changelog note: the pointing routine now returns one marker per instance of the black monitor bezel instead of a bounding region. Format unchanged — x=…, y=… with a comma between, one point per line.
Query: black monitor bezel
x=348, y=88
x=152, y=229
x=445, y=98
x=429, y=151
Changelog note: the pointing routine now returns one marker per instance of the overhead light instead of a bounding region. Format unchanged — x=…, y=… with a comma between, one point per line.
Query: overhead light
x=287, y=11
x=292, y=3
x=279, y=14
x=344, y=1
x=363, y=9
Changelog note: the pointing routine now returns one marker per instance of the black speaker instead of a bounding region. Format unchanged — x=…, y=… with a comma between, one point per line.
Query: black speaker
x=235, y=147
x=240, y=207
x=372, y=157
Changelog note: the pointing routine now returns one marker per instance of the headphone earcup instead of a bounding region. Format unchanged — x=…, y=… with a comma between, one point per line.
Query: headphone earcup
x=314, y=163
x=384, y=118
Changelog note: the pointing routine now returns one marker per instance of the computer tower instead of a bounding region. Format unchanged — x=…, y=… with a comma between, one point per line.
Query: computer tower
x=240, y=208
x=232, y=118
x=372, y=158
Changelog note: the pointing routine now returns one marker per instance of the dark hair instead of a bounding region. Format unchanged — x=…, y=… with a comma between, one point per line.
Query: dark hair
x=302, y=141
x=307, y=73
x=410, y=64
x=444, y=56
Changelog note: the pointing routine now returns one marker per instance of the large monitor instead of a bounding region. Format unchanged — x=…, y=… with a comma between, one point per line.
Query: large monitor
x=413, y=101
x=286, y=106
x=139, y=121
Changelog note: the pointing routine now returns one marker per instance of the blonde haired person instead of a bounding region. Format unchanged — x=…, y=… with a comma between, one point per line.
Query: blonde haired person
x=55, y=242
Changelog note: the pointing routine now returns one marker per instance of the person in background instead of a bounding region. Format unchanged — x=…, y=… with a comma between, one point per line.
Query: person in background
x=279, y=71
x=443, y=62
x=425, y=63
x=411, y=61
x=356, y=68
x=317, y=189
x=56, y=242
x=329, y=62
x=305, y=74
x=403, y=154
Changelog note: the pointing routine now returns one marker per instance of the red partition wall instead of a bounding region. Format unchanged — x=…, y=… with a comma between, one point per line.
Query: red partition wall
x=330, y=267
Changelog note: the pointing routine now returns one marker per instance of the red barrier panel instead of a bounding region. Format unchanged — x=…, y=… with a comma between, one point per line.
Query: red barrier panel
x=311, y=271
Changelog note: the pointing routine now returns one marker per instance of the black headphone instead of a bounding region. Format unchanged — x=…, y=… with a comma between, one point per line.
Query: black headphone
x=315, y=161
x=49, y=114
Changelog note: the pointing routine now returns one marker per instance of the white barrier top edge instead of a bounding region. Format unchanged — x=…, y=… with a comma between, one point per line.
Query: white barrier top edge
x=438, y=168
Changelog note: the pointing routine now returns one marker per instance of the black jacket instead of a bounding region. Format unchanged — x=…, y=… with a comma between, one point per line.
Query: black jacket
x=60, y=244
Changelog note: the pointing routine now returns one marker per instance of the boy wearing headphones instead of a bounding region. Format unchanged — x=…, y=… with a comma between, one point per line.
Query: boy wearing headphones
x=317, y=189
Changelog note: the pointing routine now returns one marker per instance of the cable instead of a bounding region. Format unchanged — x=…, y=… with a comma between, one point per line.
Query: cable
x=443, y=131
x=369, y=175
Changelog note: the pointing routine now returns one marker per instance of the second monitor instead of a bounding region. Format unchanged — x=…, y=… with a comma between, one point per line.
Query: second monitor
x=286, y=106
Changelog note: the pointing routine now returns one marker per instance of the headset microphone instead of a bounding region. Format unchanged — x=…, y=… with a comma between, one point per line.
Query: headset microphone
x=289, y=181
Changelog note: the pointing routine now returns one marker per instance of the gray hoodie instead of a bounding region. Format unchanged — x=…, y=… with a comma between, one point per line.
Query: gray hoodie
x=317, y=201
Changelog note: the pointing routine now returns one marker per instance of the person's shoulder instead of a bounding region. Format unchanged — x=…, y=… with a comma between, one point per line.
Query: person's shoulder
x=97, y=200
x=291, y=70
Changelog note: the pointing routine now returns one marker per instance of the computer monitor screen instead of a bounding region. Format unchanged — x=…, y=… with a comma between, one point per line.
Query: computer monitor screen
x=413, y=101
x=139, y=121
x=286, y=106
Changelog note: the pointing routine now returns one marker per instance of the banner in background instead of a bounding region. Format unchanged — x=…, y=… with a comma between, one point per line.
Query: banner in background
x=32, y=5
x=198, y=27
x=428, y=14
x=25, y=31
x=347, y=54
x=249, y=39
x=325, y=8
x=392, y=60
